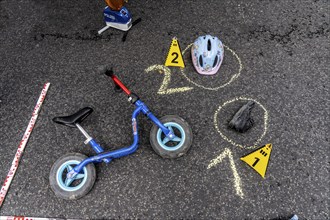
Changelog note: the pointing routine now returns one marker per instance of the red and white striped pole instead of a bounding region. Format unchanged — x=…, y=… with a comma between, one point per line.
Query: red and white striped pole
x=25, y=218
x=22, y=144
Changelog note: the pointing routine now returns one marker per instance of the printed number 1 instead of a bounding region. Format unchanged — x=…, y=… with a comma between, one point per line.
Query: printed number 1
x=255, y=163
x=175, y=58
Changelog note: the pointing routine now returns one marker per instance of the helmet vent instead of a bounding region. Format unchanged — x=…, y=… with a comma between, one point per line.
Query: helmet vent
x=215, y=61
x=201, y=61
x=208, y=45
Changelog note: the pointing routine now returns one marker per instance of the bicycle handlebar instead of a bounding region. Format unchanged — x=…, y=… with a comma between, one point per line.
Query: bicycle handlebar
x=115, y=79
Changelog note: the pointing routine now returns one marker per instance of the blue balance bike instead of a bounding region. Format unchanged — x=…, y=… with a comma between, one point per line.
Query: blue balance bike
x=73, y=175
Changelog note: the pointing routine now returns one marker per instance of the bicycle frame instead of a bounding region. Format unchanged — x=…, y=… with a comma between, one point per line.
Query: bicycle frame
x=109, y=156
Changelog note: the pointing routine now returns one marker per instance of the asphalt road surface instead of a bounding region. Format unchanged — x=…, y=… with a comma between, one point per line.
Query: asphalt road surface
x=277, y=53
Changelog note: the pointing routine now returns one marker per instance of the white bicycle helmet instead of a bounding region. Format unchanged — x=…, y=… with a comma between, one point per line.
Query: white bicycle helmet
x=207, y=54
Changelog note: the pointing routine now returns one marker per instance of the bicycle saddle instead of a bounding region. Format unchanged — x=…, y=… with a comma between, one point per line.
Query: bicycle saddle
x=77, y=117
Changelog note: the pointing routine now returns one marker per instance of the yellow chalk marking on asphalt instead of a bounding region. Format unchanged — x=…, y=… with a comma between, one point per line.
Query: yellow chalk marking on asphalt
x=237, y=179
x=235, y=76
x=215, y=121
x=163, y=90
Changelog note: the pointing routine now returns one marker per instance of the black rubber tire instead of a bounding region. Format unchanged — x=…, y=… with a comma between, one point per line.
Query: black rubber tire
x=72, y=195
x=186, y=144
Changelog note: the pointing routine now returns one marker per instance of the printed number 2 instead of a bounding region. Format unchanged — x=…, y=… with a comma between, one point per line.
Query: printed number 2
x=255, y=163
x=175, y=58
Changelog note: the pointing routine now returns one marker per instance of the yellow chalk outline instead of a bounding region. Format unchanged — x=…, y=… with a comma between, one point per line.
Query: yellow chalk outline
x=237, y=179
x=215, y=118
x=163, y=90
x=235, y=76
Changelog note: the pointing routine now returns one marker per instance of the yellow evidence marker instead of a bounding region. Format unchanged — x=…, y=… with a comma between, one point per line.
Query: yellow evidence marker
x=174, y=56
x=259, y=159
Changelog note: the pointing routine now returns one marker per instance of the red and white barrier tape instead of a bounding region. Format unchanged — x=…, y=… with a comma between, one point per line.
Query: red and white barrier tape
x=25, y=218
x=22, y=144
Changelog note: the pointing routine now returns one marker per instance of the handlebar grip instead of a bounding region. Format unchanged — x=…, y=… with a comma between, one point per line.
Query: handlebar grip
x=118, y=83
x=109, y=72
